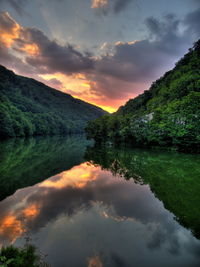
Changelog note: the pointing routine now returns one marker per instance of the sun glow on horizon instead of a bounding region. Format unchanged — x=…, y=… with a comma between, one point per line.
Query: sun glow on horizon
x=79, y=87
x=107, y=108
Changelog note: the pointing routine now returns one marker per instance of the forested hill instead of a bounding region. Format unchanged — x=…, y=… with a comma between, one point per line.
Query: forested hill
x=166, y=115
x=28, y=107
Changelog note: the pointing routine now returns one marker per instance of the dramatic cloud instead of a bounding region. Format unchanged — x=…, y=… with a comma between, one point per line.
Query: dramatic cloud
x=9, y=30
x=144, y=60
x=122, y=71
x=31, y=42
x=54, y=57
x=107, y=6
x=99, y=3
x=130, y=67
x=127, y=68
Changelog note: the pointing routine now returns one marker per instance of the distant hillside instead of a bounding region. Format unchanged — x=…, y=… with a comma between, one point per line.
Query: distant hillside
x=165, y=115
x=28, y=107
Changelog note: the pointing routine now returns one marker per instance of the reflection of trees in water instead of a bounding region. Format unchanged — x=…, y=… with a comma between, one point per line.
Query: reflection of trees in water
x=24, y=162
x=173, y=177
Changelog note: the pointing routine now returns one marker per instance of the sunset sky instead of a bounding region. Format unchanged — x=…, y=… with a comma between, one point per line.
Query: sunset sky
x=102, y=51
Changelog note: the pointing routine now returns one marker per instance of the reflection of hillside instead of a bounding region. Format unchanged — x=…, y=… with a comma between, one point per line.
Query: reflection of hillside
x=174, y=178
x=84, y=188
x=24, y=162
x=28, y=206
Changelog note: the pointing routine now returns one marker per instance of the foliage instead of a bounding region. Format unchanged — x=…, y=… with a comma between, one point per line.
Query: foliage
x=28, y=107
x=166, y=115
x=26, y=256
x=19, y=257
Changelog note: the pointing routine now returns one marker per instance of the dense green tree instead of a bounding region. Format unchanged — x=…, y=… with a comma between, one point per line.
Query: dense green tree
x=26, y=256
x=28, y=107
x=166, y=115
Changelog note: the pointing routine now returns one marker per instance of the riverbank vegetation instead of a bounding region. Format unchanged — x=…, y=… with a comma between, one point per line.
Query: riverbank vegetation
x=166, y=115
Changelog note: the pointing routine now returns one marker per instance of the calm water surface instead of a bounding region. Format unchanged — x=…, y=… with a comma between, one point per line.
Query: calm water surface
x=84, y=206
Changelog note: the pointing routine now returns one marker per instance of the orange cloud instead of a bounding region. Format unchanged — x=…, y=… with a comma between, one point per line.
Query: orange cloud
x=95, y=261
x=13, y=224
x=31, y=211
x=99, y=3
x=77, y=177
x=94, y=86
x=11, y=227
x=12, y=35
x=76, y=83
x=31, y=49
x=9, y=33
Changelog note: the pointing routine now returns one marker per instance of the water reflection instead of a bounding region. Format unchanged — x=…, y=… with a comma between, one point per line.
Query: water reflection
x=24, y=162
x=90, y=215
x=174, y=178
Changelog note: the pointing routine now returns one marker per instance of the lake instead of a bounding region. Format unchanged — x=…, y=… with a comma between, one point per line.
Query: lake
x=87, y=206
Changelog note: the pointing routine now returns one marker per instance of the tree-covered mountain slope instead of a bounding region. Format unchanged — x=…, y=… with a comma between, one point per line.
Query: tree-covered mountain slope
x=166, y=115
x=28, y=107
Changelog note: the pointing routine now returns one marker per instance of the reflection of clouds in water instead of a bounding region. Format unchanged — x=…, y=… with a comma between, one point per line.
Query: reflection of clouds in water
x=11, y=228
x=13, y=224
x=86, y=210
x=76, y=177
x=78, y=187
x=95, y=261
x=88, y=231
